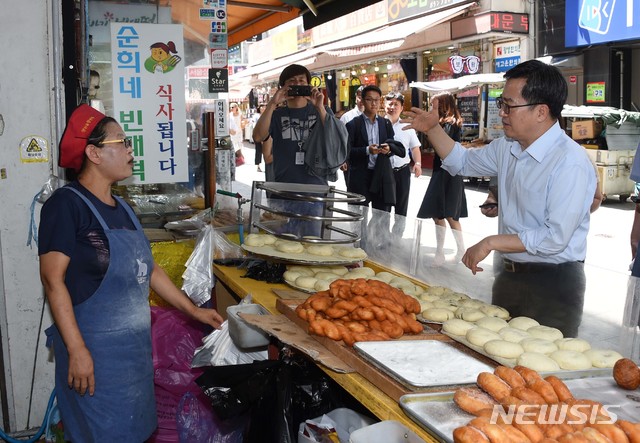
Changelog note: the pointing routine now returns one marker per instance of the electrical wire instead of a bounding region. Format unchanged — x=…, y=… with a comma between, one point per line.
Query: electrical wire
x=43, y=427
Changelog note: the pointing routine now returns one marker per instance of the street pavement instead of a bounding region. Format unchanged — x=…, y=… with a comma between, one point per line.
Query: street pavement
x=608, y=254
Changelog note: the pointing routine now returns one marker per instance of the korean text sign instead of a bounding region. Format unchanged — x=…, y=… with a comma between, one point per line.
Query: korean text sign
x=149, y=100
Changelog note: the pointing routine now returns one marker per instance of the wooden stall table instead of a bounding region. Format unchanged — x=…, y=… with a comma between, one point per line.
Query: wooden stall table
x=369, y=395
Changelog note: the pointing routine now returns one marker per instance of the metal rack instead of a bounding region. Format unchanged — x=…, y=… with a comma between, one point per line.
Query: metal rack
x=329, y=196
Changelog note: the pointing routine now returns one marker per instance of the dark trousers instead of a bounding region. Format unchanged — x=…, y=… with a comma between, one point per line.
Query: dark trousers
x=552, y=295
x=258, y=157
x=403, y=182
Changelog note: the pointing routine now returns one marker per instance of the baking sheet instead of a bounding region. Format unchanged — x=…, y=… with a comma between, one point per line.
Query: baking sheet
x=423, y=363
x=302, y=258
x=439, y=415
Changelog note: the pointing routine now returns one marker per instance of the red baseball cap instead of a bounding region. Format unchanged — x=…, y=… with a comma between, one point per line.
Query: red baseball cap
x=82, y=122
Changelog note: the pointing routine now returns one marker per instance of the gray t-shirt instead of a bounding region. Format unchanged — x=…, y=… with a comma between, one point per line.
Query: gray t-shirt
x=290, y=128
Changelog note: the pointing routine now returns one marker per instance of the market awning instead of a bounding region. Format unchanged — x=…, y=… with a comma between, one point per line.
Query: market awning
x=454, y=85
x=249, y=18
x=390, y=36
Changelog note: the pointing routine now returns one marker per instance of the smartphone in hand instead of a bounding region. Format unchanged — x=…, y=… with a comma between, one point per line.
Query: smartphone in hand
x=299, y=91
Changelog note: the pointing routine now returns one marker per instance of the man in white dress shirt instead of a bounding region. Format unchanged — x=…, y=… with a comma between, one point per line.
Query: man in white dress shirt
x=402, y=165
x=546, y=186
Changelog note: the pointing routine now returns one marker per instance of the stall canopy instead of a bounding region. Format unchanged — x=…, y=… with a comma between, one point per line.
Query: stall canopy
x=454, y=85
x=611, y=116
x=248, y=18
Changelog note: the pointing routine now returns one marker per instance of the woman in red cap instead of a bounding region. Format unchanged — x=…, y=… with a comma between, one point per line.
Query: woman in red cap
x=96, y=267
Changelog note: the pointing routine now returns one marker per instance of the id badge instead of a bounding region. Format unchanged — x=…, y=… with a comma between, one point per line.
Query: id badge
x=300, y=158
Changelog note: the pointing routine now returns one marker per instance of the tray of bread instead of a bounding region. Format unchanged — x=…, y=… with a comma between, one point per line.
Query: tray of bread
x=520, y=404
x=523, y=341
x=294, y=251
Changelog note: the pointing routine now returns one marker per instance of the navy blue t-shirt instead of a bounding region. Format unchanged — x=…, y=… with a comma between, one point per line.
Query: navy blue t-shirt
x=67, y=225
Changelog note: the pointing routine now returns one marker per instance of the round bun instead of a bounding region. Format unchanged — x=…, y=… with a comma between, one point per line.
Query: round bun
x=321, y=250
x=538, y=362
x=302, y=270
x=492, y=323
x=385, y=276
x=322, y=285
x=289, y=247
x=457, y=326
x=291, y=276
x=513, y=335
x=364, y=271
x=573, y=344
x=523, y=323
x=339, y=270
x=469, y=314
x=352, y=253
x=495, y=311
x=626, y=374
x=268, y=239
x=254, y=240
x=538, y=345
x=306, y=282
x=328, y=276
x=546, y=332
x=437, y=314
x=503, y=348
x=602, y=358
x=479, y=336
x=571, y=360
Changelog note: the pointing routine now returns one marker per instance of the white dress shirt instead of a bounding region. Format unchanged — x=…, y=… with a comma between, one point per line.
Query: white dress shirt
x=544, y=192
x=409, y=140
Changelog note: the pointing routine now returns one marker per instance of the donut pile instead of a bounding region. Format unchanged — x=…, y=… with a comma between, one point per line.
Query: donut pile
x=532, y=397
x=523, y=341
x=360, y=310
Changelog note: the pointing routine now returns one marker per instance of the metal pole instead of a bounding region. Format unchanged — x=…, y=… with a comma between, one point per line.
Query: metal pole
x=210, y=162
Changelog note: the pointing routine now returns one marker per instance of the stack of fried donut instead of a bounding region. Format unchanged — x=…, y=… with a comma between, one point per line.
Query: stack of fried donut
x=543, y=410
x=360, y=310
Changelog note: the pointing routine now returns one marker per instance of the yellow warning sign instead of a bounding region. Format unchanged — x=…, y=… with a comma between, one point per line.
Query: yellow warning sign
x=34, y=149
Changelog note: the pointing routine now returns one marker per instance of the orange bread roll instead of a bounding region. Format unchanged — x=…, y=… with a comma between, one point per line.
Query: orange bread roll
x=510, y=376
x=561, y=390
x=468, y=434
x=493, y=385
x=473, y=400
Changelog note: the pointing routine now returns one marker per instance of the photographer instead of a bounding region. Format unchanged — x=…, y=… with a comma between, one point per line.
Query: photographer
x=309, y=143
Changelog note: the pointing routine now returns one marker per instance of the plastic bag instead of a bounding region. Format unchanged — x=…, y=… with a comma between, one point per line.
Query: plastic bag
x=218, y=350
x=175, y=336
x=198, y=278
x=225, y=248
x=198, y=424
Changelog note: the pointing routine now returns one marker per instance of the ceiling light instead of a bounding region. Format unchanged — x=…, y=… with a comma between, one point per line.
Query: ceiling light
x=364, y=71
x=389, y=66
x=354, y=72
x=329, y=77
x=343, y=74
x=376, y=68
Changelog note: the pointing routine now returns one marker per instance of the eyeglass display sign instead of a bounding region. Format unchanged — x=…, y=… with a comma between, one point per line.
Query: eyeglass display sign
x=589, y=22
x=464, y=64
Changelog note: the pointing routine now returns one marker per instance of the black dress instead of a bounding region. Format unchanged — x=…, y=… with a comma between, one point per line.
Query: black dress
x=445, y=195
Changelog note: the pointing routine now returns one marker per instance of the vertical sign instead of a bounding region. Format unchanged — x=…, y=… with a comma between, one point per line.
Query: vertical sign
x=595, y=92
x=506, y=55
x=149, y=99
x=216, y=12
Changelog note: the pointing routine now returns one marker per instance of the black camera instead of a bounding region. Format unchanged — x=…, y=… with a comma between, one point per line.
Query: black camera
x=299, y=91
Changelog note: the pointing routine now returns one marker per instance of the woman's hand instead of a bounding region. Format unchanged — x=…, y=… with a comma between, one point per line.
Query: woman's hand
x=208, y=316
x=81, y=376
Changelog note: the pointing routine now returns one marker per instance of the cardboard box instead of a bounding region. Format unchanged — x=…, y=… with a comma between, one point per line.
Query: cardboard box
x=585, y=129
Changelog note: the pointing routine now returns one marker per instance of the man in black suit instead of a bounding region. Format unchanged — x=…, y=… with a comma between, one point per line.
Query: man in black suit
x=371, y=144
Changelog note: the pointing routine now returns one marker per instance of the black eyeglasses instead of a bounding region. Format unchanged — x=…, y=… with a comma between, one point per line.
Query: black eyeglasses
x=507, y=108
x=127, y=141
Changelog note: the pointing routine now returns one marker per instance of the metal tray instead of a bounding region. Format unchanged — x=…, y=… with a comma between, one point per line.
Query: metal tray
x=423, y=363
x=439, y=415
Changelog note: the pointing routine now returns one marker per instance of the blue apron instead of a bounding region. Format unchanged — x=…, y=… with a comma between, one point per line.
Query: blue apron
x=115, y=323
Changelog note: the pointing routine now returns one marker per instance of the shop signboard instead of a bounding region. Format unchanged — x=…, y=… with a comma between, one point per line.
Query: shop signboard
x=596, y=92
x=400, y=10
x=218, y=80
x=494, y=122
x=506, y=55
x=589, y=22
x=149, y=99
x=102, y=14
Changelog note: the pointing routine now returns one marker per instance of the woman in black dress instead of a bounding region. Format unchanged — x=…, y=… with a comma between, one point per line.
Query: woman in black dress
x=445, y=198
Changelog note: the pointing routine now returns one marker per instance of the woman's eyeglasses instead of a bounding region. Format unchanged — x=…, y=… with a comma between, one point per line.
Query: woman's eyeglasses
x=507, y=108
x=127, y=141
